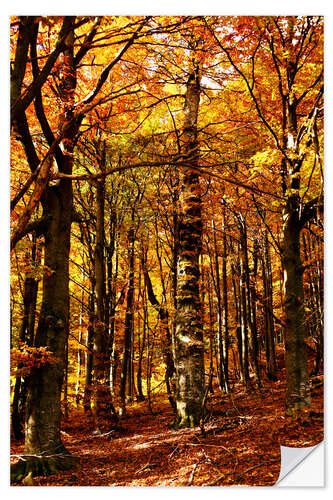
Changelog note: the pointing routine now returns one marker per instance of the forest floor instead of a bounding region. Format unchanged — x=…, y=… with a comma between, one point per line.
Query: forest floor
x=239, y=445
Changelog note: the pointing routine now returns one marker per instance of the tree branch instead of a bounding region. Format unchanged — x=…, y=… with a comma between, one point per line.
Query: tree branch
x=107, y=69
x=23, y=101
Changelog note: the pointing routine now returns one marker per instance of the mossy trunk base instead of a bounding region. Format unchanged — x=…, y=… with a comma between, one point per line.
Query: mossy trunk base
x=188, y=415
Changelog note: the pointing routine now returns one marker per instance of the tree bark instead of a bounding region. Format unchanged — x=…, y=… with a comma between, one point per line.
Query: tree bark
x=225, y=319
x=26, y=335
x=125, y=371
x=271, y=366
x=297, y=390
x=100, y=389
x=189, y=349
x=44, y=452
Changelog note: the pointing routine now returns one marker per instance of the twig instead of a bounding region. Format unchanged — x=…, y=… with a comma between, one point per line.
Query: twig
x=147, y=464
x=233, y=404
x=190, y=480
x=174, y=451
x=211, y=446
x=256, y=467
x=214, y=483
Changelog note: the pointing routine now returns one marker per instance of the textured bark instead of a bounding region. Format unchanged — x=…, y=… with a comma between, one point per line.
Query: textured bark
x=42, y=437
x=189, y=349
x=298, y=390
x=43, y=450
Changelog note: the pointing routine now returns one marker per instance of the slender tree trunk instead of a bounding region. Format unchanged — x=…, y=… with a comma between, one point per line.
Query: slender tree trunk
x=128, y=316
x=175, y=252
x=220, y=346
x=250, y=318
x=113, y=309
x=112, y=272
x=89, y=353
x=101, y=396
x=211, y=338
x=313, y=281
x=189, y=349
x=235, y=286
x=166, y=336
x=79, y=351
x=252, y=304
x=225, y=320
x=244, y=322
x=27, y=329
x=65, y=384
x=141, y=340
x=271, y=366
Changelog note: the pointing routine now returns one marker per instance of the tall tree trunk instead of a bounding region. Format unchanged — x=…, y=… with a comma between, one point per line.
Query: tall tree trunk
x=110, y=303
x=166, y=338
x=220, y=346
x=250, y=318
x=113, y=308
x=89, y=353
x=79, y=350
x=314, y=298
x=189, y=348
x=225, y=302
x=252, y=304
x=244, y=321
x=128, y=316
x=27, y=330
x=141, y=339
x=211, y=337
x=271, y=366
x=297, y=391
x=100, y=389
x=44, y=450
x=175, y=250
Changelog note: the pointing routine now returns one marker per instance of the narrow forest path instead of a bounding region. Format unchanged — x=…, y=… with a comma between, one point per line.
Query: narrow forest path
x=240, y=443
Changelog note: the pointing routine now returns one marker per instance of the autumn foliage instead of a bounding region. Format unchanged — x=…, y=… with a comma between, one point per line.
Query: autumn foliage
x=167, y=247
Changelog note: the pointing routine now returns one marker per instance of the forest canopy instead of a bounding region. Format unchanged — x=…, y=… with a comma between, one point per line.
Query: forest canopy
x=166, y=224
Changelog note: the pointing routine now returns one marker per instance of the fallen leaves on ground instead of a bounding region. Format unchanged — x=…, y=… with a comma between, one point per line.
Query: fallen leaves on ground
x=240, y=444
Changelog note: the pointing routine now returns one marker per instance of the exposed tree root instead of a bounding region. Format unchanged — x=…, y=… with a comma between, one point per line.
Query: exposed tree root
x=41, y=466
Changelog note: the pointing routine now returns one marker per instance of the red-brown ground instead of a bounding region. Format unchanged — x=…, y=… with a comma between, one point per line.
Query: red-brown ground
x=240, y=444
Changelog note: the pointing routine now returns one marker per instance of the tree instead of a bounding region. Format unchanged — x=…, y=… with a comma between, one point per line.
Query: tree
x=189, y=351
x=43, y=445
x=290, y=42
x=177, y=162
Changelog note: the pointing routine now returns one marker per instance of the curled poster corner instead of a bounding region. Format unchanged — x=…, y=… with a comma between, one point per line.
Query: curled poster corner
x=309, y=473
